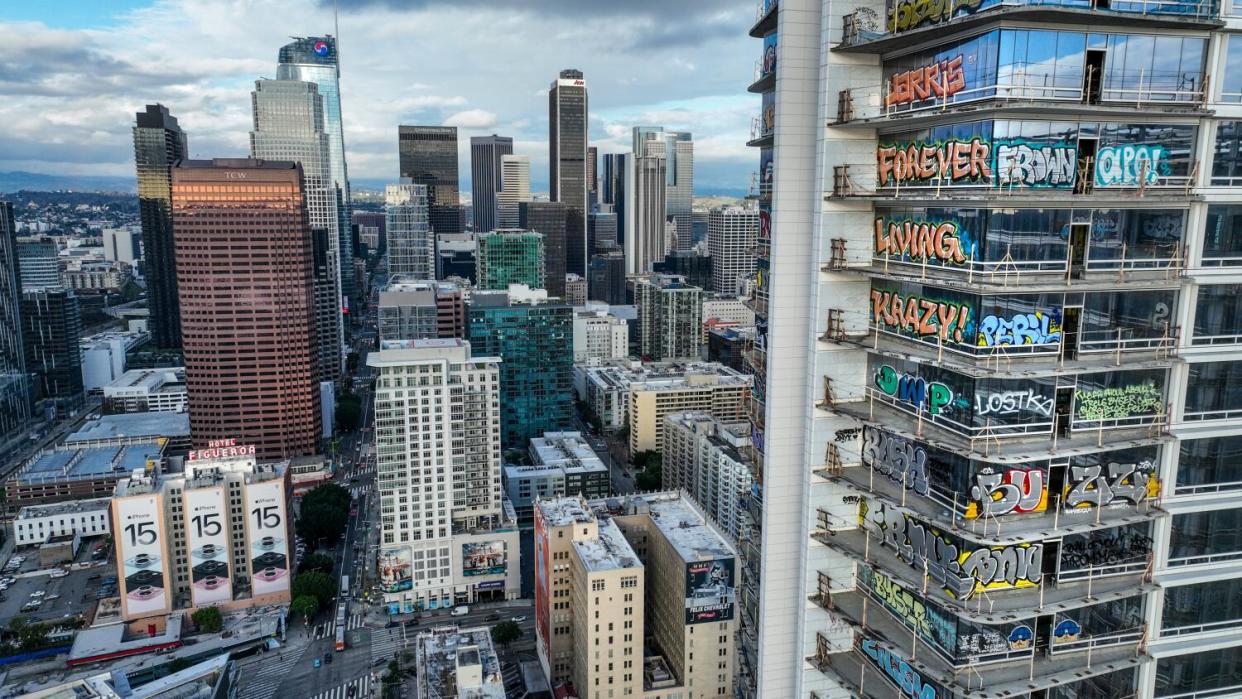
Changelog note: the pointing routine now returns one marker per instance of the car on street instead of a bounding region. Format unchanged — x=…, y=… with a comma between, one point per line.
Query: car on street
x=327, y=658
x=463, y=610
x=317, y=662
x=518, y=619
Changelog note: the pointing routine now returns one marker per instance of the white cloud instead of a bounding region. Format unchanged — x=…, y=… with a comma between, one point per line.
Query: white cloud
x=472, y=119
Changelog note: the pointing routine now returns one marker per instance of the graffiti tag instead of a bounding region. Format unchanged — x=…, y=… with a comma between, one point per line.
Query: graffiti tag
x=1014, y=490
x=1013, y=402
x=1090, y=486
x=1079, y=552
x=921, y=317
x=931, y=396
x=1129, y=165
x=925, y=620
x=1111, y=403
x=1038, y=328
x=1034, y=165
x=922, y=240
x=941, y=79
x=955, y=161
x=960, y=573
x=910, y=14
x=902, y=460
x=900, y=672
x=847, y=433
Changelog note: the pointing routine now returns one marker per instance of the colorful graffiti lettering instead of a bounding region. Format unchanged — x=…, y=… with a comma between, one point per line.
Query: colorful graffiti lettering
x=902, y=460
x=1130, y=165
x=931, y=396
x=960, y=573
x=1038, y=328
x=922, y=240
x=1015, y=490
x=1113, y=403
x=1090, y=486
x=1012, y=403
x=1022, y=164
x=954, y=161
x=936, y=628
x=900, y=672
x=941, y=79
x=911, y=14
x=921, y=317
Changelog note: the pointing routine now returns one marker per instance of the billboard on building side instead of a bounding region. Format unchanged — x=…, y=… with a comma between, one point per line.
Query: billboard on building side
x=267, y=534
x=396, y=569
x=207, y=539
x=139, y=533
x=710, y=590
x=483, y=558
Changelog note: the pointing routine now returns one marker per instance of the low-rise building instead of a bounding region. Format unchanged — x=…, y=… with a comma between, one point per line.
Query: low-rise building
x=147, y=390
x=456, y=663
x=215, y=678
x=35, y=524
x=575, y=290
x=103, y=356
x=79, y=472
x=97, y=275
x=599, y=335
x=562, y=463
x=134, y=428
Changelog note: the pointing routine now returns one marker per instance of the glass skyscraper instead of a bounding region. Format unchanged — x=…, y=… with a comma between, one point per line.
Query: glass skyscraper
x=314, y=60
x=14, y=389
x=567, y=160
x=158, y=143
x=428, y=156
x=410, y=248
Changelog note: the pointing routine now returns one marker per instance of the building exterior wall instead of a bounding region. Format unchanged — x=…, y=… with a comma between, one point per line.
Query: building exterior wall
x=670, y=314
x=731, y=232
x=158, y=143
x=511, y=257
x=35, y=525
x=411, y=249
x=486, y=158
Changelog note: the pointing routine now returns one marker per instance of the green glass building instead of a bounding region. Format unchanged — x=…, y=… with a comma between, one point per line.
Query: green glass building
x=534, y=339
x=507, y=257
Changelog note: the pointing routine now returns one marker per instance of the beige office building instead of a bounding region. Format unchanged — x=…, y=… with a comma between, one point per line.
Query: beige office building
x=720, y=392
x=617, y=578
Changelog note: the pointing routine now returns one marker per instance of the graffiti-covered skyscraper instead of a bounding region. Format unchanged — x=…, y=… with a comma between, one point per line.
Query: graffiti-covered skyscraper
x=995, y=420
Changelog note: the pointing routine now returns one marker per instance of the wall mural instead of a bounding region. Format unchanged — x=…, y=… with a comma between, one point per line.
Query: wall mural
x=932, y=397
x=1038, y=328
x=922, y=318
x=912, y=14
x=1094, y=485
x=1130, y=165
x=1009, y=403
x=999, y=491
x=941, y=79
x=940, y=243
x=1115, y=403
x=958, y=568
x=901, y=460
x=951, y=161
x=1021, y=163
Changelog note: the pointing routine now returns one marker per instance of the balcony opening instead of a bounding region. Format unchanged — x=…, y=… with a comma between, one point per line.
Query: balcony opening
x=1070, y=317
x=1086, y=165
x=1043, y=632
x=1078, y=234
x=1093, y=74
x=1064, y=410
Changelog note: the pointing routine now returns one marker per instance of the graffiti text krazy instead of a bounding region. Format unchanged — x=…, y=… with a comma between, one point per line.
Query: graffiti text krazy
x=921, y=240
x=950, y=161
x=1038, y=328
x=940, y=79
x=900, y=459
x=1129, y=165
x=1000, y=492
x=920, y=317
x=1089, y=486
x=1022, y=164
x=931, y=396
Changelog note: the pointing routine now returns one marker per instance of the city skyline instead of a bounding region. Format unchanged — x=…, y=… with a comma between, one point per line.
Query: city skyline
x=682, y=68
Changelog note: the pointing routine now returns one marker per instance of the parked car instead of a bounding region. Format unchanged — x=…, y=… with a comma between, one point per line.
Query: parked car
x=462, y=610
x=518, y=619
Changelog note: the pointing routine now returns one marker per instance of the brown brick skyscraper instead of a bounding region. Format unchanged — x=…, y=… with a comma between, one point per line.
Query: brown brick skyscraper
x=245, y=275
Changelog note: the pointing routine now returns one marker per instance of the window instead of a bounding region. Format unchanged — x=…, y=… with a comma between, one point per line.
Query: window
x=1210, y=465
x=1208, y=673
x=1202, y=606
x=1205, y=537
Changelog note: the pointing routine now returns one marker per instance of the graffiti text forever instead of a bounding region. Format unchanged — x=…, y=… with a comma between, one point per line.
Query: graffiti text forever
x=951, y=162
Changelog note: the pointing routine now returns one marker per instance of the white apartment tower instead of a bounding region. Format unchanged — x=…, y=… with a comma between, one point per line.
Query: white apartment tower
x=514, y=189
x=996, y=421
x=731, y=232
x=447, y=537
x=644, y=216
x=411, y=250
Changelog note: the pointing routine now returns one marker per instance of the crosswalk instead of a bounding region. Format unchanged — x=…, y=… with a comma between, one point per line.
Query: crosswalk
x=328, y=628
x=264, y=682
x=359, y=490
x=386, y=643
x=361, y=689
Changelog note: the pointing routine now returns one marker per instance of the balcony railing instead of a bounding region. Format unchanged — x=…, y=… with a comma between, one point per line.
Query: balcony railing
x=1208, y=415
x=1200, y=628
x=1203, y=559
x=988, y=431
x=1205, y=488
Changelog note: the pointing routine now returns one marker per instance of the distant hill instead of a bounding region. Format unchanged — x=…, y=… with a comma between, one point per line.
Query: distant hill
x=35, y=182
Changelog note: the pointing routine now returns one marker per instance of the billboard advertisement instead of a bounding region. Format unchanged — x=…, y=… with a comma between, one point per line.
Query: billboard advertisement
x=483, y=558
x=207, y=540
x=709, y=590
x=396, y=569
x=543, y=577
x=267, y=537
x=139, y=532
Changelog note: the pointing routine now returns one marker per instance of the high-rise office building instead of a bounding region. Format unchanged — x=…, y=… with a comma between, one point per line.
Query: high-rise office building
x=289, y=126
x=696, y=268
x=314, y=60
x=606, y=279
x=534, y=339
x=158, y=143
x=122, y=245
x=670, y=316
x=592, y=177
x=14, y=381
x=602, y=231
x=411, y=251
x=973, y=334
x=679, y=182
x=568, y=130
x=645, y=241
x=428, y=156
x=617, y=167
x=248, y=320
x=487, y=178
x=51, y=321
x=515, y=189
x=731, y=232
x=38, y=260
x=444, y=536
x=551, y=219
x=510, y=257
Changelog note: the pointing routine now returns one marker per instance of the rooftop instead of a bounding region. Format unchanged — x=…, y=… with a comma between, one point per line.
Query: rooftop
x=565, y=450
x=456, y=662
x=64, y=508
x=694, y=538
x=608, y=551
x=149, y=379
x=89, y=462
x=666, y=375
x=558, y=512
x=132, y=426
x=127, y=339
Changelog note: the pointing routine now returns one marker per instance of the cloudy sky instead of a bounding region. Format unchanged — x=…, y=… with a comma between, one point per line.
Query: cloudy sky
x=73, y=72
